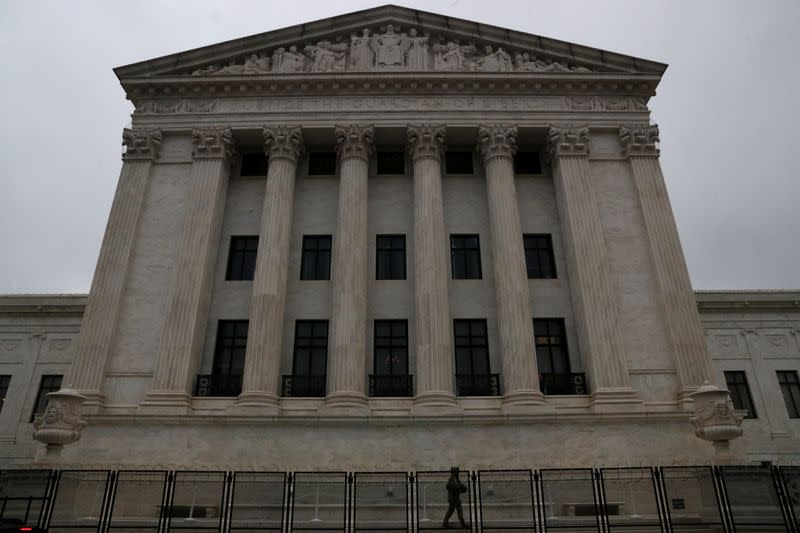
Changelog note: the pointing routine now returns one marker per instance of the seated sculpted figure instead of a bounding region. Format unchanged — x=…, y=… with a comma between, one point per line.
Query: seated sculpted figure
x=288, y=60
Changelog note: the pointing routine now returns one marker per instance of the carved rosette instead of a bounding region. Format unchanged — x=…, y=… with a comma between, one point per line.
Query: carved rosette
x=61, y=423
x=497, y=141
x=354, y=141
x=426, y=140
x=714, y=419
x=567, y=140
x=283, y=142
x=639, y=140
x=212, y=143
x=141, y=143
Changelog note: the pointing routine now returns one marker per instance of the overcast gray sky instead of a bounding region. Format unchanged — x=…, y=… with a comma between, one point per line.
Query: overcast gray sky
x=727, y=109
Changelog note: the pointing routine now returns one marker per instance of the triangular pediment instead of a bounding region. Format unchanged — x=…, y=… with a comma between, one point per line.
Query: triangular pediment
x=389, y=39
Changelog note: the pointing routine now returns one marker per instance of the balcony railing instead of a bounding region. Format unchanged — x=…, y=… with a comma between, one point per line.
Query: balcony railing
x=571, y=384
x=382, y=386
x=298, y=386
x=217, y=385
x=478, y=384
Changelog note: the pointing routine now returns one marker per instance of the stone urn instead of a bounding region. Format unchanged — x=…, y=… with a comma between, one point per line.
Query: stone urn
x=714, y=419
x=61, y=422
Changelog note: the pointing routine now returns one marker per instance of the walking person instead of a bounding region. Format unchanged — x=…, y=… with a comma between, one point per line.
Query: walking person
x=454, y=491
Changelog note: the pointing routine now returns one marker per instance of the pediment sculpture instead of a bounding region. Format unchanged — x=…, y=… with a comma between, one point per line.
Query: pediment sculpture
x=388, y=50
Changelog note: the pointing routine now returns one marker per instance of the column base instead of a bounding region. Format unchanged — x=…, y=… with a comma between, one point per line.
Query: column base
x=347, y=403
x=94, y=402
x=524, y=401
x=685, y=400
x=436, y=403
x=622, y=400
x=165, y=403
x=256, y=403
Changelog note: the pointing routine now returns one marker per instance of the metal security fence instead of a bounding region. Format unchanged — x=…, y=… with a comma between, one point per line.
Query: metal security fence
x=697, y=499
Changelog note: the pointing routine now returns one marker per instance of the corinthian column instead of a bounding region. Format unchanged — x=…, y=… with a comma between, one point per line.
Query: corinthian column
x=102, y=309
x=433, y=346
x=593, y=296
x=264, y=338
x=188, y=296
x=347, y=364
x=497, y=145
x=692, y=360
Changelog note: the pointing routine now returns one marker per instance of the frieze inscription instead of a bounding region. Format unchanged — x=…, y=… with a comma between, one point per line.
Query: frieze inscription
x=383, y=104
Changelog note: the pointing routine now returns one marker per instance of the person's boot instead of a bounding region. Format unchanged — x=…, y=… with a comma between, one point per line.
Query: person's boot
x=446, y=525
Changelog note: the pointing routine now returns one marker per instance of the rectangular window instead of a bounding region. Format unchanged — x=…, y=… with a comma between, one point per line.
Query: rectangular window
x=551, y=346
x=391, y=347
x=310, y=348
x=5, y=381
x=254, y=165
x=310, y=364
x=391, y=163
x=736, y=381
x=472, y=346
x=539, y=256
x=465, y=256
x=527, y=163
x=390, y=260
x=316, y=261
x=790, y=387
x=231, y=347
x=458, y=162
x=48, y=384
x=322, y=164
x=242, y=258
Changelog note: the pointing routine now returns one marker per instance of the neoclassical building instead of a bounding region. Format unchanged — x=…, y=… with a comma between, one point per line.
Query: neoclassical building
x=395, y=241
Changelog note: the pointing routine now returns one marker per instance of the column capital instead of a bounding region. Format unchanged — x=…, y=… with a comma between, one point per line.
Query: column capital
x=497, y=140
x=212, y=143
x=567, y=139
x=426, y=140
x=141, y=143
x=283, y=141
x=354, y=141
x=638, y=140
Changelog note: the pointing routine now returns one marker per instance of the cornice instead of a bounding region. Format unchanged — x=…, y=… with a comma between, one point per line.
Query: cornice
x=582, y=86
x=40, y=304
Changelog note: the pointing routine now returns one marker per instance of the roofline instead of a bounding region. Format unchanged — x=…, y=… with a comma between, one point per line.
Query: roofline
x=18, y=304
x=330, y=23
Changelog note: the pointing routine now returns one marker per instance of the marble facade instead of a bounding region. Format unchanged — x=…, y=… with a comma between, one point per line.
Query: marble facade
x=386, y=79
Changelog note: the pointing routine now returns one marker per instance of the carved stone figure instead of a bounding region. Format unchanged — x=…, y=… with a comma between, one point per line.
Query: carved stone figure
x=327, y=57
x=451, y=56
x=204, y=71
x=288, y=60
x=499, y=61
x=416, y=49
x=61, y=423
x=231, y=68
x=361, y=55
x=256, y=64
x=387, y=48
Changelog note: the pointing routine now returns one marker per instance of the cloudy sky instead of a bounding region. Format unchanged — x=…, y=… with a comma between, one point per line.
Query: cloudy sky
x=727, y=109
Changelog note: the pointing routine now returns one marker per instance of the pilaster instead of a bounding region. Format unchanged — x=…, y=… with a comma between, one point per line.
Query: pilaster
x=433, y=348
x=348, y=357
x=261, y=381
x=189, y=294
x=102, y=309
x=497, y=145
x=682, y=320
x=593, y=296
